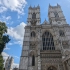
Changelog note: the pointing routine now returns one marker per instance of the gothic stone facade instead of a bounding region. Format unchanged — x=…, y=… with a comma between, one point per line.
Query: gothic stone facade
x=9, y=63
x=46, y=46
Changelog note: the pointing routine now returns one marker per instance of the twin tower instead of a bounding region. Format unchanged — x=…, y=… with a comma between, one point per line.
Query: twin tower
x=54, y=13
x=46, y=46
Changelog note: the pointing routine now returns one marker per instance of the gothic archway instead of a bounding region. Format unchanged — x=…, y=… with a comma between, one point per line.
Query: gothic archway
x=33, y=34
x=51, y=68
x=47, y=41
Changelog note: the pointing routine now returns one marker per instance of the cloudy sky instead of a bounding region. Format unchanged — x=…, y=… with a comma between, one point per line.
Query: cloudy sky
x=15, y=12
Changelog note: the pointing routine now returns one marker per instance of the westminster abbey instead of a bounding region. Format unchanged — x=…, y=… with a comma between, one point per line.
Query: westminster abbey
x=46, y=46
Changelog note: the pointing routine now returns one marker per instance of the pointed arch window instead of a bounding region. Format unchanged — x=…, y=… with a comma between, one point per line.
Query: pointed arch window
x=33, y=60
x=33, y=16
x=47, y=41
x=61, y=33
x=33, y=34
x=56, y=14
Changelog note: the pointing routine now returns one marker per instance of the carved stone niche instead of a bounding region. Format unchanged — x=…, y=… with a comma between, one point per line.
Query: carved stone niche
x=56, y=42
x=65, y=44
x=33, y=52
x=33, y=45
x=33, y=22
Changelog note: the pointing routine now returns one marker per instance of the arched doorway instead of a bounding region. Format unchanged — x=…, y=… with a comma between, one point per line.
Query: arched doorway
x=51, y=68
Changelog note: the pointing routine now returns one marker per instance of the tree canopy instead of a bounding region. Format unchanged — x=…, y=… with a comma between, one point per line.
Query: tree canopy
x=4, y=38
x=1, y=63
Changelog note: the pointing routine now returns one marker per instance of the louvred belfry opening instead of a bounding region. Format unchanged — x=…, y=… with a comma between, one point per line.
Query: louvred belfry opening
x=33, y=16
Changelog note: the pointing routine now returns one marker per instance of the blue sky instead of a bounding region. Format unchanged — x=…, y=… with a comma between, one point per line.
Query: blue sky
x=15, y=12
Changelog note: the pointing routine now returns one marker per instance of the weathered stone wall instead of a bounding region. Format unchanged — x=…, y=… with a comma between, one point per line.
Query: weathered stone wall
x=34, y=46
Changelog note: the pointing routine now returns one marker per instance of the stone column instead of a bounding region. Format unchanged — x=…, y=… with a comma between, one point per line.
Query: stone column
x=39, y=63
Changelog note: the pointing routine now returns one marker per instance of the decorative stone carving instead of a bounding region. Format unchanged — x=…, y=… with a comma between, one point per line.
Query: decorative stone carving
x=65, y=44
x=33, y=22
x=67, y=53
x=56, y=42
x=33, y=52
x=33, y=45
x=51, y=68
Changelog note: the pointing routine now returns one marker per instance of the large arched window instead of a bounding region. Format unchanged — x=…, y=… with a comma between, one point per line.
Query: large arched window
x=47, y=41
x=33, y=60
x=33, y=16
x=33, y=34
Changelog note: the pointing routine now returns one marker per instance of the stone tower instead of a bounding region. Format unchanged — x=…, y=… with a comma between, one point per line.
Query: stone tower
x=55, y=15
x=34, y=16
x=9, y=63
x=46, y=46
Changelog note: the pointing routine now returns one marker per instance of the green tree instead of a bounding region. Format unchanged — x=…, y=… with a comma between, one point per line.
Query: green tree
x=4, y=38
x=1, y=63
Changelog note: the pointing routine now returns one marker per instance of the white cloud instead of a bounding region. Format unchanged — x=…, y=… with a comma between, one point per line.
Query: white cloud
x=15, y=65
x=8, y=18
x=5, y=19
x=13, y=5
x=5, y=56
x=2, y=9
x=6, y=48
x=10, y=43
x=17, y=32
x=18, y=42
x=16, y=57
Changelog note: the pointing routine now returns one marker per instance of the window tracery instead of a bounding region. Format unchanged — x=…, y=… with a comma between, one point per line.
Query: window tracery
x=47, y=41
